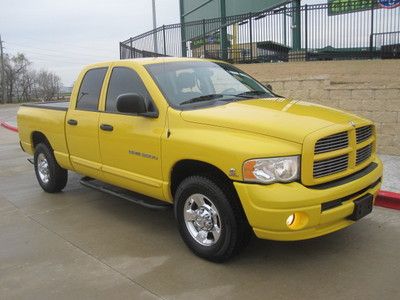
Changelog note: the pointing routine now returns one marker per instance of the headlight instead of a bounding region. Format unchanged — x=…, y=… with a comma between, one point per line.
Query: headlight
x=269, y=170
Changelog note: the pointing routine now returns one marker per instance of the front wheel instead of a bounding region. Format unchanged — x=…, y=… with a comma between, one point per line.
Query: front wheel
x=51, y=177
x=210, y=219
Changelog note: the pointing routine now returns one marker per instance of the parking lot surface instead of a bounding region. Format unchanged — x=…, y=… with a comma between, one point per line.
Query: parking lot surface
x=83, y=244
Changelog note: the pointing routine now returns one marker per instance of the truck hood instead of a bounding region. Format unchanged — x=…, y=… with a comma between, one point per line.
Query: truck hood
x=277, y=117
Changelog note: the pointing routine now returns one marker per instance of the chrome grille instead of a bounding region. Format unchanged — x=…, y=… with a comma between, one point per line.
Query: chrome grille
x=363, y=133
x=363, y=154
x=331, y=143
x=330, y=166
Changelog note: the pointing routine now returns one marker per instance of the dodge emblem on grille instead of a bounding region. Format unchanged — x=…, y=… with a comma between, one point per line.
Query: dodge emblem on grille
x=352, y=123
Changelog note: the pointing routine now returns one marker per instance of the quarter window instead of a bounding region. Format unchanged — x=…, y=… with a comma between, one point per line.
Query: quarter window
x=125, y=81
x=89, y=92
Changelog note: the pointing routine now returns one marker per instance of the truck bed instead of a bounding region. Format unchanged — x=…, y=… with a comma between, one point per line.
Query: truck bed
x=47, y=118
x=55, y=105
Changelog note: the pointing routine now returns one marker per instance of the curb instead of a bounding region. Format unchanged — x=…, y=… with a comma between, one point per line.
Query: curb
x=388, y=200
x=8, y=126
x=384, y=198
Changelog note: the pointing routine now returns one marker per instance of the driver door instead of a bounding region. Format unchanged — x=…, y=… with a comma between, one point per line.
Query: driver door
x=130, y=145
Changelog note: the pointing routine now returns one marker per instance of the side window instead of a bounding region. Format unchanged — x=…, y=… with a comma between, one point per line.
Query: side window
x=124, y=81
x=89, y=92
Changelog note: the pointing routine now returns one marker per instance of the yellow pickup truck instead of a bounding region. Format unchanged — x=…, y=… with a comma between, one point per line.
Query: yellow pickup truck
x=231, y=157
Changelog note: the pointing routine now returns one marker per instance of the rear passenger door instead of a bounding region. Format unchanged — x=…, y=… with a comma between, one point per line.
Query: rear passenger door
x=130, y=145
x=82, y=124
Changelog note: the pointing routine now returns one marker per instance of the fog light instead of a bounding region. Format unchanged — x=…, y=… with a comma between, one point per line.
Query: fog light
x=290, y=220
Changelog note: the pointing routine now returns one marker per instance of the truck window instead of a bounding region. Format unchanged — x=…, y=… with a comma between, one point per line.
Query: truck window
x=89, y=92
x=123, y=81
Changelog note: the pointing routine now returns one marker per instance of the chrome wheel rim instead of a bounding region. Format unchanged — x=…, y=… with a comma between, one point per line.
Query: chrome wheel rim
x=202, y=219
x=43, y=168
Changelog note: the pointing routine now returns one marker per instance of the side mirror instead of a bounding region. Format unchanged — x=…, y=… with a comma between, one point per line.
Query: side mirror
x=131, y=104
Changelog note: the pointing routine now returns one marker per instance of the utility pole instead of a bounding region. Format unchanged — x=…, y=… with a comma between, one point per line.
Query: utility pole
x=154, y=26
x=3, y=87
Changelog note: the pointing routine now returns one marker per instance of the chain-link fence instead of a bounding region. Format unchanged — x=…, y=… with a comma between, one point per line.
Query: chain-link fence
x=287, y=33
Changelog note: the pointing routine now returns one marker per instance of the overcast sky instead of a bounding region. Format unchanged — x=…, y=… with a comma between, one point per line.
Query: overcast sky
x=64, y=35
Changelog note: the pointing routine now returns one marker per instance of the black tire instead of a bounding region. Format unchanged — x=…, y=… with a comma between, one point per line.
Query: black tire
x=235, y=231
x=57, y=176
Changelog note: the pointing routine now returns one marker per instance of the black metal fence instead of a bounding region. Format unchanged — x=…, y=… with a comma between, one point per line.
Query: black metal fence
x=287, y=33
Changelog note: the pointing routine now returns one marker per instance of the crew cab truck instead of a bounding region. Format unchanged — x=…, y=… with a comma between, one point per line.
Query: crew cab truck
x=228, y=154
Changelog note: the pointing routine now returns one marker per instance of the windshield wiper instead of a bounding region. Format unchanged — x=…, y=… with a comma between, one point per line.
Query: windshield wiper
x=248, y=94
x=202, y=98
x=251, y=93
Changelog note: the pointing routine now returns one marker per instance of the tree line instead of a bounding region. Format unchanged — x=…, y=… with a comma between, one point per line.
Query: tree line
x=22, y=83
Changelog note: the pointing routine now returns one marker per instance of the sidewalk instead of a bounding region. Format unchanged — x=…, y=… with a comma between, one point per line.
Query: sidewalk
x=391, y=173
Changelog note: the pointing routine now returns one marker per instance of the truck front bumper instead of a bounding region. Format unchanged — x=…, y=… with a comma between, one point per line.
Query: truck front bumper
x=317, y=210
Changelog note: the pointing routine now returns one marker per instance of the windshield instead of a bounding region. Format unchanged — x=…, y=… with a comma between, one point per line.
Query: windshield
x=185, y=83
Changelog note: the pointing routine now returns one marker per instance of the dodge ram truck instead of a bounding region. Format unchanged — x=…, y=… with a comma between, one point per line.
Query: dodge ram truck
x=230, y=156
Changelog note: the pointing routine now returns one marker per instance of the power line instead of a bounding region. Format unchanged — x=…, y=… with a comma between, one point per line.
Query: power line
x=60, y=43
x=55, y=61
x=52, y=58
x=31, y=53
x=59, y=52
x=46, y=58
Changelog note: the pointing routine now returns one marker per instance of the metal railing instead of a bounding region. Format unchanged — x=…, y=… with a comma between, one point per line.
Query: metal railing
x=286, y=33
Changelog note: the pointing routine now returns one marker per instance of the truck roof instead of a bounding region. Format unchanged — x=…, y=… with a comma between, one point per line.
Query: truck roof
x=149, y=60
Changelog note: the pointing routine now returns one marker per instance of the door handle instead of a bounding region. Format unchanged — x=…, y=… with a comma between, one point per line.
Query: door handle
x=106, y=127
x=72, y=122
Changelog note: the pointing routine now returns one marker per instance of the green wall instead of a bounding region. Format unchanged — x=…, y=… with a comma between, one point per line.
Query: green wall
x=211, y=9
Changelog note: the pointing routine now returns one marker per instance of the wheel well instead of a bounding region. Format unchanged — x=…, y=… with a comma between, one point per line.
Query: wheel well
x=38, y=137
x=186, y=168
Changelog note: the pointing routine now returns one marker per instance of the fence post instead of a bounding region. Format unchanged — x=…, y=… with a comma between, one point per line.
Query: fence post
x=183, y=39
x=165, y=45
x=284, y=25
x=182, y=28
x=371, y=36
x=306, y=31
x=155, y=41
x=223, y=31
x=251, y=36
x=296, y=24
x=204, y=38
x=130, y=48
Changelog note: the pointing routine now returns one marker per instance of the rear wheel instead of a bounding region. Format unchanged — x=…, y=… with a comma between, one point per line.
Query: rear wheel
x=210, y=219
x=51, y=177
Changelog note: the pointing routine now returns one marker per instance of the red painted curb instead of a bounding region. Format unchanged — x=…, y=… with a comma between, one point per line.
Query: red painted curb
x=8, y=126
x=388, y=200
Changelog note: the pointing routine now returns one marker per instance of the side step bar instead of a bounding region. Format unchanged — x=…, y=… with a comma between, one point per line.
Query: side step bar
x=124, y=194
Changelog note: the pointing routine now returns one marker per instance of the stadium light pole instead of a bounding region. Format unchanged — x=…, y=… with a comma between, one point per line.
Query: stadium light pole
x=154, y=26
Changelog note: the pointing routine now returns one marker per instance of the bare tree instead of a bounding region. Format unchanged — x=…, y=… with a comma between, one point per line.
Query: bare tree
x=14, y=67
x=23, y=84
x=27, y=86
x=47, y=85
